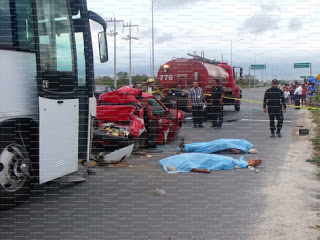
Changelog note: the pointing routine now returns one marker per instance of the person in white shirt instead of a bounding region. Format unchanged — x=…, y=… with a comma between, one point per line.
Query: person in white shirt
x=297, y=95
x=286, y=95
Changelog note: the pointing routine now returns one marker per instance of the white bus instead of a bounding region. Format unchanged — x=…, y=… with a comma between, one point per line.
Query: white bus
x=46, y=94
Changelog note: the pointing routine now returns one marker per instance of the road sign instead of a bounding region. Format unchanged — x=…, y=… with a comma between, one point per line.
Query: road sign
x=301, y=65
x=259, y=66
x=318, y=77
x=303, y=76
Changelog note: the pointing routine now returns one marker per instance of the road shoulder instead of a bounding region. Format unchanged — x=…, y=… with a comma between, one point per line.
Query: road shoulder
x=292, y=193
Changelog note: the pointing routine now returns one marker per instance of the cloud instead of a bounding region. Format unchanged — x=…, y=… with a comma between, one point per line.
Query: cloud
x=295, y=24
x=267, y=8
x=163, y=38
x=260, y=23
x=173, y=3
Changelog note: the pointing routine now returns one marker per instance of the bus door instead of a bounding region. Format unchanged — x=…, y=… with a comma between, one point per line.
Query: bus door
x=57, y=81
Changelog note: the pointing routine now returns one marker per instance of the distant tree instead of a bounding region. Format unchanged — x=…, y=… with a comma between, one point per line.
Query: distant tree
x=138, y=78
x=248, y=78
x=123, y=75
x=104, y=80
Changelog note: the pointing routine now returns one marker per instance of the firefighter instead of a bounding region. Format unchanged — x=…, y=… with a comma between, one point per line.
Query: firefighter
x=143, y=83
x=152, y=89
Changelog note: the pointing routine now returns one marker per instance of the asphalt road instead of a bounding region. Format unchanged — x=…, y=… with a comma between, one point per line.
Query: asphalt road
x=120, y=203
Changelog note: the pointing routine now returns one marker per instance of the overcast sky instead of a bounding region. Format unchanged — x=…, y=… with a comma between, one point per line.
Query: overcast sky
x=275, y=33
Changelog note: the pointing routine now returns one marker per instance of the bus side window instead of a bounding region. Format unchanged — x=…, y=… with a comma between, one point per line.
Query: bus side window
x=5, y=26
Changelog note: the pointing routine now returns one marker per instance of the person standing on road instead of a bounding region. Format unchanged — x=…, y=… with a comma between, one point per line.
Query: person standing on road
x=196, y=101
x=286, y=95
x=217, y=96
x=304, y=95
x=274, y=100
x=292, y=88
x=143, y=84
x=310, y=93
x=297, y=96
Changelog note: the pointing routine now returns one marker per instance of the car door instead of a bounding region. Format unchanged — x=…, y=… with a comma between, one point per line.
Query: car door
x=161, y=120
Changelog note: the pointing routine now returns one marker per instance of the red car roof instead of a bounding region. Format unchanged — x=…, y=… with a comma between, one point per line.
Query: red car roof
x=123, y=95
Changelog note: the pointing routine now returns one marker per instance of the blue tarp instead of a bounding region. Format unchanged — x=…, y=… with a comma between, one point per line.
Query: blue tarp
x=314, y=80
x=218, y=145
x=187, y=161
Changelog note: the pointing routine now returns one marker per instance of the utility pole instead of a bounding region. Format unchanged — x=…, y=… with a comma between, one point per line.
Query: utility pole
x=249, y=76
x=129, y=37
x=114, y=34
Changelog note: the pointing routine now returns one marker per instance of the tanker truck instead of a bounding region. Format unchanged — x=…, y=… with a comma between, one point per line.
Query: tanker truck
x=177, y=75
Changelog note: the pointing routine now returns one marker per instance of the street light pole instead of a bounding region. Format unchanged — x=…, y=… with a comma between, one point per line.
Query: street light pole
x=231, y=49
x=152, y=1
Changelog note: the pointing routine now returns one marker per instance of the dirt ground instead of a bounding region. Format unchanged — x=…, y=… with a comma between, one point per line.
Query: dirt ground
x=293, y=196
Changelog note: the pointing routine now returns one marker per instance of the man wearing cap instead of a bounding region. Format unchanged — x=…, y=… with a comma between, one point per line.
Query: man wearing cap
x=311, y=89
x=196, y=101
x=274, y=104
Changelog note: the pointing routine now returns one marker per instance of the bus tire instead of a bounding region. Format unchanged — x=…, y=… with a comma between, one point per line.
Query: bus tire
x=14, y=171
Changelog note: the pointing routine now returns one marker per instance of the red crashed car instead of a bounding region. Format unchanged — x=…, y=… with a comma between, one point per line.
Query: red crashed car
x=128, y=115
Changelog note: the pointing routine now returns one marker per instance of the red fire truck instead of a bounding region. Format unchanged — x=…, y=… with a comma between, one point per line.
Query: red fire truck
x=177, y=75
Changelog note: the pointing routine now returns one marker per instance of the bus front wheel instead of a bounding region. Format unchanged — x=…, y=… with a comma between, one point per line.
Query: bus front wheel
x=14, y=174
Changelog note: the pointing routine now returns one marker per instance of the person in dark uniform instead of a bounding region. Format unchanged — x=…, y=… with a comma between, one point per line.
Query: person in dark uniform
x=217, y=96
x=274, y=104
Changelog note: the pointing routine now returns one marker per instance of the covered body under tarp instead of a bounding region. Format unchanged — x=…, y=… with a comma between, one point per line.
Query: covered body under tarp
x=187, y=161
x=219, y=145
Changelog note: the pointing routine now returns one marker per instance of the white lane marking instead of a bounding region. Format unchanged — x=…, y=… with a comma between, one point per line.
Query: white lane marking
x=259, y=120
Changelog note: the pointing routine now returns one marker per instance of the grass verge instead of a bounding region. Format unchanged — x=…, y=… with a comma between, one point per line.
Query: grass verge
x=315, y=159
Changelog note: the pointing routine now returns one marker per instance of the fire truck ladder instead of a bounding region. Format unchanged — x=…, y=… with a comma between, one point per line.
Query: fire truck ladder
x=202, y=58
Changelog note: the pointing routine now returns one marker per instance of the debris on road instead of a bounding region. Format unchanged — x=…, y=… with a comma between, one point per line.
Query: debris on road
x=303, y=131
x=253, y=151
x=116, y=156
x=257, y=171
x=159, y=192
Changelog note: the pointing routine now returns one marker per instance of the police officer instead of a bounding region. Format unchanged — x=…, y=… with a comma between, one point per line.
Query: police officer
x=274, y=104
x=217, y=96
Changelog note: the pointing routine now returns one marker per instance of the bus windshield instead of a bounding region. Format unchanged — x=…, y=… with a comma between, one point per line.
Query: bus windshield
x=55, y=36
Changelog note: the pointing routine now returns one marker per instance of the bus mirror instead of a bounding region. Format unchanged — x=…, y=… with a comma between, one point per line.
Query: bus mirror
x=103, y=48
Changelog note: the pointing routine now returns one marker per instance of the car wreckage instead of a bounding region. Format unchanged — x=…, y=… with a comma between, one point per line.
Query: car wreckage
x=129, y=116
